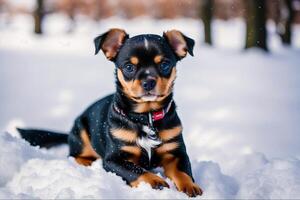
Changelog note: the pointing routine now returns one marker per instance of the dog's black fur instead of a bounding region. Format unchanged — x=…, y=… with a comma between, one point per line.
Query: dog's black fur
x=110, y=128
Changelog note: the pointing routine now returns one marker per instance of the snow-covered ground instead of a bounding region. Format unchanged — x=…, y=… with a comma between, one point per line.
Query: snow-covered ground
x=240, y=110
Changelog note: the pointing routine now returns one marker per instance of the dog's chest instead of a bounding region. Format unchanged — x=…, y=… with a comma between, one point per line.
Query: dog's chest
x=149, y=140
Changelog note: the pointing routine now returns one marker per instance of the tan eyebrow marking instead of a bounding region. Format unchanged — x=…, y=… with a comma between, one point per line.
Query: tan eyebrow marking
x=158, y=59
x=134, y=60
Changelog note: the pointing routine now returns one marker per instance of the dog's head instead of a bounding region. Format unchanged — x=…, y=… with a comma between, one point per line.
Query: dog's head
x=145, y=64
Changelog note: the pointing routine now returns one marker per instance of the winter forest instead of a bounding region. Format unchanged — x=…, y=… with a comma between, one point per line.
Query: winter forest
x=238, y=97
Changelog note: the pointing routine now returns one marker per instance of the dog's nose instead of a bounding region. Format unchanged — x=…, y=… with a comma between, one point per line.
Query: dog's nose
x=148, y=84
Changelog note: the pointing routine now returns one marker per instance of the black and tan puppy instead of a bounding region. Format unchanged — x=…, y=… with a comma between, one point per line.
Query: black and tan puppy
x=136, y=129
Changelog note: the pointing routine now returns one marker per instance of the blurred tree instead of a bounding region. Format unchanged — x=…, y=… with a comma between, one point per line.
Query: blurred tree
x=256, y=34
x=206, y=11
x=38, y=15
x=286, y=15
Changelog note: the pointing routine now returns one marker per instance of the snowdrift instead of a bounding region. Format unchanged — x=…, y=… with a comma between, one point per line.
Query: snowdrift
x=30, y=172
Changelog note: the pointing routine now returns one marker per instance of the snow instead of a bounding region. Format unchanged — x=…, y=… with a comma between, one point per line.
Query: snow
x=240, y=110
x=35, y=173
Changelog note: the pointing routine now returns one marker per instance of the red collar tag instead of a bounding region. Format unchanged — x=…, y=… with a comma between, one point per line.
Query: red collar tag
x=158, y=115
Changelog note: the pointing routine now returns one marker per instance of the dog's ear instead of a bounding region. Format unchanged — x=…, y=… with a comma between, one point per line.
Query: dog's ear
x=180, y=43
x=110, y=42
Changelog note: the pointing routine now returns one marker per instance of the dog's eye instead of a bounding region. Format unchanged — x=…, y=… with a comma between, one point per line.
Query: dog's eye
x=165, y=67
x=129, y=68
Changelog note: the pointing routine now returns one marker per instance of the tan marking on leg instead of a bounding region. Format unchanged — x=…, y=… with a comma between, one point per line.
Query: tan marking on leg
x=84, y=161
x=168, y=134
x=134, y=150
x=183, y=182
x=134, y=60
x=88, y=154
x=154, y=180
x=87, y=150
x=134, y=160
x=167, y=147
x=158, y=59
x=124, y=135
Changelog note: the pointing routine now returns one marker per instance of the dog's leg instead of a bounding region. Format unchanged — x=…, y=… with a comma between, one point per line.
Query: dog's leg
x=80, y=145
x=132, y=173
x=86, y=161
x=178, y=169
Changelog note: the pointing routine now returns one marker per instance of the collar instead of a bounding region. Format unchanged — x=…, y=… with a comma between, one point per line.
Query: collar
x=145, y=118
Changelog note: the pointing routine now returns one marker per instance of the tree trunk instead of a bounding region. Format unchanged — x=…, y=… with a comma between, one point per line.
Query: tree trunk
x=206, y=15
x=38, y=15
x=256, y=35
x=286, y=20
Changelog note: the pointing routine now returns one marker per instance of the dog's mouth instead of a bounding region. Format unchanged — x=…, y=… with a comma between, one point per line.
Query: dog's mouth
x=148, y=97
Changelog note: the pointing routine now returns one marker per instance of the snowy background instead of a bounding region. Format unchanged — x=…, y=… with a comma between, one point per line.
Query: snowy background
x=240, y=110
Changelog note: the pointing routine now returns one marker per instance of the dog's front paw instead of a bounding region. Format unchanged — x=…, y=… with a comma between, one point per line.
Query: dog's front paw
x=190, y=188
x=155, y=181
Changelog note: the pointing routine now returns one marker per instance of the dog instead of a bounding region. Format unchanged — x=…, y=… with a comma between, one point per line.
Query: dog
x=136, y=129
